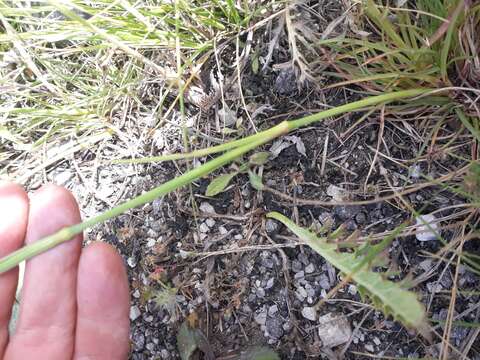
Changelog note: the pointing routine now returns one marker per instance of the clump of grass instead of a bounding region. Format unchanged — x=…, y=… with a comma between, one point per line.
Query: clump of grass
x=73, y=71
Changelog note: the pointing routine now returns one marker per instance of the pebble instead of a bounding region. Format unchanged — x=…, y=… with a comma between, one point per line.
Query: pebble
x=134, y=312
x=309, y=313
x=303, y=259
x=260, y=292
x=326, y=219
x=426, y=265
x=131, y=262
x=324, y=282
x=427, y=233
x=369, y=348
x=361, y=218
x=222, y=230
x=150, y=346
x=352, y=289
x=204, y=228
x=165, y=354
x=210, y=222
x=151, y=243
x=270, y=283
x=207, y=208
x=350, y=225
x=337, y=193
x=274, y=327
x=286, y=82
x=287, y=326
x=346, y=212
x=136, y=294
x=301, y=293
x=334, y=330
x=377, y=341
x=310, y=290
x=272, y=310
x=261, y=317
x=271, y=226
x=296, y=266
x=299, y=275
x=138, y=341
x=310, y=268
x=62, y=177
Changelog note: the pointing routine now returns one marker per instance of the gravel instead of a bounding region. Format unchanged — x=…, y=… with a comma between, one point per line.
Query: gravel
x=309, y=313
x=427, y=229
x=334, y=330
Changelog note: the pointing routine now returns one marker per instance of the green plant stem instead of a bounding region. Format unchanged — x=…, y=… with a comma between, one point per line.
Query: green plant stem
x=236, y=149
x=292, y=125
x=10, y=261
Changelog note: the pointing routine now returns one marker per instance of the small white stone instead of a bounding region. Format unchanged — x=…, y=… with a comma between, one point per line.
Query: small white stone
x=131, y=262
x=310, y=268
x=222, y=230
x=272, y=310
x=261, y=318
x=301, y=293
x=151, y=243
x=134, y=312
x=136, y=294
x=337, y=193
x=424, y=232
x=210, y=222
x=204, y=228
x=352, y=289
x=299, y=275
x=207, y=208
x=377, y=341
x=309, y=313
x=334, y=330
x=369, y=348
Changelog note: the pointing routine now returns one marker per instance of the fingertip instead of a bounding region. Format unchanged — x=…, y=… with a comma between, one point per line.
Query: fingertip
x=104, y=261
x=102, y=278
x=103, y=324
x=13, y=216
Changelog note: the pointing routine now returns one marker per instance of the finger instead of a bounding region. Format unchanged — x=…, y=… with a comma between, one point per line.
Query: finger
x=46, y=322
x=103, y=325
x=13, y=225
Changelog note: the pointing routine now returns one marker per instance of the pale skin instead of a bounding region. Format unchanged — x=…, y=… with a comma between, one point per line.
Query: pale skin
x=75, y=302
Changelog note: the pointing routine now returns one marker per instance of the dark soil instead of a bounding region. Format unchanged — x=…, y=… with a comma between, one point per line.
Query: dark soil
x=240, y=298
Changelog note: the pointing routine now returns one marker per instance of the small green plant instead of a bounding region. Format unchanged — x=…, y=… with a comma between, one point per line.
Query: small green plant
x=385, y=295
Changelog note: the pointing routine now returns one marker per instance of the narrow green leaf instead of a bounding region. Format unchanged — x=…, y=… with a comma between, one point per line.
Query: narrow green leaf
x=219, y=184
x=447, y=43
x=255, y=180
x=386, y=295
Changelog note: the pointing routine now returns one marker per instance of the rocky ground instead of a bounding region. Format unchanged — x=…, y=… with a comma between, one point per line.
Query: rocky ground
x=243, y=280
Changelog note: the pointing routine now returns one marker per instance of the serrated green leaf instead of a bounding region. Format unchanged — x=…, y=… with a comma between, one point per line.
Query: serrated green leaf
x=219, y=184
x=386, y=295
x=255, y=180
x=259, y=158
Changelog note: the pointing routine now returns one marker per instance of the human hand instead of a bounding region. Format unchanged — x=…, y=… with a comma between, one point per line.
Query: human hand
x=74, y=303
